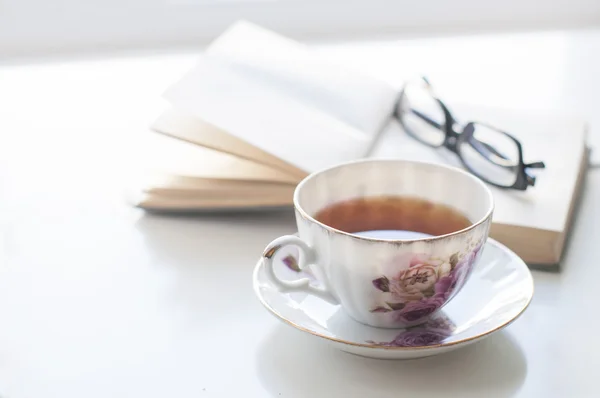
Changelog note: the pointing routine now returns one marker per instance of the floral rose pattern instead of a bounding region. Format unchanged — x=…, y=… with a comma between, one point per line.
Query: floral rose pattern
x=433, y=332
x=419, y=284
x=291, y=263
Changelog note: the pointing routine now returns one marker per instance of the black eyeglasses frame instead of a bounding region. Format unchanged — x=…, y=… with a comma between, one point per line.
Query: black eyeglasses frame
x=454, y=140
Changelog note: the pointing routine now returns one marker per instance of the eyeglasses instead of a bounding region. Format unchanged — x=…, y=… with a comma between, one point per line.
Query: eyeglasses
x=493, y=155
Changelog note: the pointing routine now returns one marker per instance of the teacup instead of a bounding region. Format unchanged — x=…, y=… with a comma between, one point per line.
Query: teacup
x=385, y=281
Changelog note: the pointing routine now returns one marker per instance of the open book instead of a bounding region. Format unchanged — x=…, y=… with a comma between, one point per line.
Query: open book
x=259, y=112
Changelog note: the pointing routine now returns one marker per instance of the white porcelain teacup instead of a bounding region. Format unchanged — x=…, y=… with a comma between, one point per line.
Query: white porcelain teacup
x=385, y=282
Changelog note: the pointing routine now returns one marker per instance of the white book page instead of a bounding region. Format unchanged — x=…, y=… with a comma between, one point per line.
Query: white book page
x=303, y=136
x=557, y=141
x=294, y=69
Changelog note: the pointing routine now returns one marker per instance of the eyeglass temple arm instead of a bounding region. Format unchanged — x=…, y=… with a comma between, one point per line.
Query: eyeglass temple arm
x=427, y=119
x=535, y=165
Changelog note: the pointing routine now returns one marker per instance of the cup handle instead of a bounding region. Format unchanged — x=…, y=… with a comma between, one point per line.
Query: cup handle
x=300, y=285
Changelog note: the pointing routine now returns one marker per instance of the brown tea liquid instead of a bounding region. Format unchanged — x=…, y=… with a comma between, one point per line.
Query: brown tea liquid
x=392, y=217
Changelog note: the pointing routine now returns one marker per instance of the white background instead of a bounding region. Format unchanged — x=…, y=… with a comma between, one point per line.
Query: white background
x=40, y=27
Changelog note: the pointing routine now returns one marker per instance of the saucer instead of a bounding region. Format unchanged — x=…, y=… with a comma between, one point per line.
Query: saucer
x=498, y=291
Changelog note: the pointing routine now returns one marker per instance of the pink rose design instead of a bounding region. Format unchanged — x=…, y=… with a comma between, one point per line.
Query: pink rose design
x=419, y=338
x=415, y=276
x=416, y=310
x=419, y=284
x=463, y=268
x=435, y=331
x=445, y=285
x=411, y=284
x=417, y=259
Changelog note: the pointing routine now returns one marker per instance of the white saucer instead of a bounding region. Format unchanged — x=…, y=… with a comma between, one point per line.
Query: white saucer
x=498, y=291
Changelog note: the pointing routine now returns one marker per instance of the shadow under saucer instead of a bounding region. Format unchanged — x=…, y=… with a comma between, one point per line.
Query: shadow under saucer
x=291, y=364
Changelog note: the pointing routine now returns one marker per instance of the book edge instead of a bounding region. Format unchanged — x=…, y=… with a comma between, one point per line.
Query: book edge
x=560, y=244
x=553, y=240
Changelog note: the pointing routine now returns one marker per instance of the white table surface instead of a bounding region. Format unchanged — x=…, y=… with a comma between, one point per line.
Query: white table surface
x=101, y=300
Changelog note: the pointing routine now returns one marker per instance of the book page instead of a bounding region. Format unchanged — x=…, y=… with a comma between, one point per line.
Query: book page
x=294, y=69
x=275, y=123
x=161, y=154
x=557, y=141
x=180, y=125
